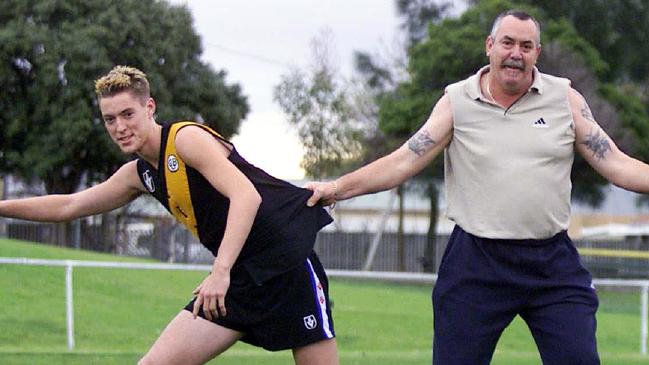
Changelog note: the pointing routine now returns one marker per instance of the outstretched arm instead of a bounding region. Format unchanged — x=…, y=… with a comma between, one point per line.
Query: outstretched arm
x=121, y=188
x=395, y=168
x=599, y=150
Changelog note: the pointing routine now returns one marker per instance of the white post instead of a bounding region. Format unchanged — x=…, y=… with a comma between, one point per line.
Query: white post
x=644, y=302
x=69, y=305
x=369, y=260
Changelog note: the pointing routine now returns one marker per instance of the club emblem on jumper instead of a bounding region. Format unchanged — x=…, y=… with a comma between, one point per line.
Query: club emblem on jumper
x=148, y=181
x=172, y=163
x=310, y=322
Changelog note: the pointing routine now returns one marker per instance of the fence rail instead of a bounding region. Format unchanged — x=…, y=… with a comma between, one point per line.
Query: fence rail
x=374, y=275
x=167, y=241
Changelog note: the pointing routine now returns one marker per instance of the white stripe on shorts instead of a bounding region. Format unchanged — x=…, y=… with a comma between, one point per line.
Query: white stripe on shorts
x=321, y=301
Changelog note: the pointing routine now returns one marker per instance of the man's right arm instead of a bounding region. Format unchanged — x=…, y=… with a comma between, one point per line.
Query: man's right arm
x=121, y=188
x=395, y=168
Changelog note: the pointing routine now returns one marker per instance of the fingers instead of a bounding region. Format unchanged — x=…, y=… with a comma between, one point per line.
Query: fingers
x=197, y=304
x=313, y=200
x=210, y=296
x=209, y=304
x=209, y=308
x=221, y=304
x=319, y=194
x=310, y=185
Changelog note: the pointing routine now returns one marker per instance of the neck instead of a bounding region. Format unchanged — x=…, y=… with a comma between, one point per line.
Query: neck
x=501, y=95
x=150, y=150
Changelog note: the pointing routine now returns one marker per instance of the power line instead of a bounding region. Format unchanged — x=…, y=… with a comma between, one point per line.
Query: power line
x=255, y=57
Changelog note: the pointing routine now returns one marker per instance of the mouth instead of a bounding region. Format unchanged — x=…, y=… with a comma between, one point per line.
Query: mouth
x=124, y=140
x=513, y=65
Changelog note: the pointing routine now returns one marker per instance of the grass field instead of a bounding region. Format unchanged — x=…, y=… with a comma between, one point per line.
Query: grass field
x=119, y=313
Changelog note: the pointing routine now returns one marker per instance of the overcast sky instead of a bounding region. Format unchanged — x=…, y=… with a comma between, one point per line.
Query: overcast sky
x=257, y=41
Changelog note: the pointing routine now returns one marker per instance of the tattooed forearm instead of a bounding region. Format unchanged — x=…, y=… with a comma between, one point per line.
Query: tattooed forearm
x=420, y=143
x=597, y=143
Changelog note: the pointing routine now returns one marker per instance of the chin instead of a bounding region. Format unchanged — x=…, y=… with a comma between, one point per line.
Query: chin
x=129, y=150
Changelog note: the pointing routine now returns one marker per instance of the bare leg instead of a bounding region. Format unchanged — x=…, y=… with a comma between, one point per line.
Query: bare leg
x=320, y=353
x=189, y=341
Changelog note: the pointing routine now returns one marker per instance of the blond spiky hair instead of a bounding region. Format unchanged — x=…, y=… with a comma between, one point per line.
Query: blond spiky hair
x=123, y=78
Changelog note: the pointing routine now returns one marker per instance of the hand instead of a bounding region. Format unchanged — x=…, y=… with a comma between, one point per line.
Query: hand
x=210, y=294
x=323, y=192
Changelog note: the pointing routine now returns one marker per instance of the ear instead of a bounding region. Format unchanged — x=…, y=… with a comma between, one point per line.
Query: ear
x=150, y=107
x=489, y=43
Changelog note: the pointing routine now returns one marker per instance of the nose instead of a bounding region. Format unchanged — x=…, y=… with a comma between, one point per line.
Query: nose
x=516, y=52
x=120, y=124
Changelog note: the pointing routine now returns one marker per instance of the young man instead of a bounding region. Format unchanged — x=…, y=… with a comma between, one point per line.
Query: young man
x=509, y=133
x=266, y=287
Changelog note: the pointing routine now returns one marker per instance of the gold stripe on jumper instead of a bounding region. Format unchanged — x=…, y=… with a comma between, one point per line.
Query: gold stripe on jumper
x=178, y=194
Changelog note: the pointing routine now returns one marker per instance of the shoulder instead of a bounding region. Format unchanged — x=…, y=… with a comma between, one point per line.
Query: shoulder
x=459, y=86
x=196, y=145
x=554, y=81
x=469, y=85
x=128, y=176
x=189, y=132
x=129, y=168
x=575, y=98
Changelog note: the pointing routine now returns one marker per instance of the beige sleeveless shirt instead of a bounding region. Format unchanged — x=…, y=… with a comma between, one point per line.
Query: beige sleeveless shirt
x=507, y=172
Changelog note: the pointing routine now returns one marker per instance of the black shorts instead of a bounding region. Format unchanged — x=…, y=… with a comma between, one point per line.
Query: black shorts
x=285, y=312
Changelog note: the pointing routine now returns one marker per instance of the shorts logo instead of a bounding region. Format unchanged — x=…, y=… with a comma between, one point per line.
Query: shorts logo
x=172, y=163
x=310, y=322
x=148, y=181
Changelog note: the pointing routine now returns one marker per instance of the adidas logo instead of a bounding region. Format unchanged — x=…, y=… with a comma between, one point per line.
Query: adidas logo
x=540, y=124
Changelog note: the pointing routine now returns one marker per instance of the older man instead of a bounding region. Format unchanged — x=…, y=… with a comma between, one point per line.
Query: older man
x=509, y=133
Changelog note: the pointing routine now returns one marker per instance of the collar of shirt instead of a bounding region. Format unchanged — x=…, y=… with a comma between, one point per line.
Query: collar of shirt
x=473, y=85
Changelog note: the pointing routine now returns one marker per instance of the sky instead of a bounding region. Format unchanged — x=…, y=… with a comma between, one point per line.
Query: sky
x=256, y=42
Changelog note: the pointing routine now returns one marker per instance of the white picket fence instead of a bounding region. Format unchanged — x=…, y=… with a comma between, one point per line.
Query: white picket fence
x=377, y=275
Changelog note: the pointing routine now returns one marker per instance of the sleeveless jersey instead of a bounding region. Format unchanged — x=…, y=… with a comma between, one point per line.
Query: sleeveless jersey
x=507, y=172
x=283, y=232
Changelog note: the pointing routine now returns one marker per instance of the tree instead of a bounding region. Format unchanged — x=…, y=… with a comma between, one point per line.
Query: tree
x=319, y=104
x=51, y=51
x=417, y=15
x=619, y=30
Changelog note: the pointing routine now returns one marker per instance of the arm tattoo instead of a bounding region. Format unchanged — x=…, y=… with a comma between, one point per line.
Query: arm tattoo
x=420, y=143
x=597, y=143
x=586, y=113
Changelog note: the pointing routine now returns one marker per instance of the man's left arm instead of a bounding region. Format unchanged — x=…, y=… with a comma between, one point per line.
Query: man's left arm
x=599, y=150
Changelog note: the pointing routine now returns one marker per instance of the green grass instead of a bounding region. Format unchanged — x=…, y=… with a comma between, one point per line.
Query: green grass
x=119, y=313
